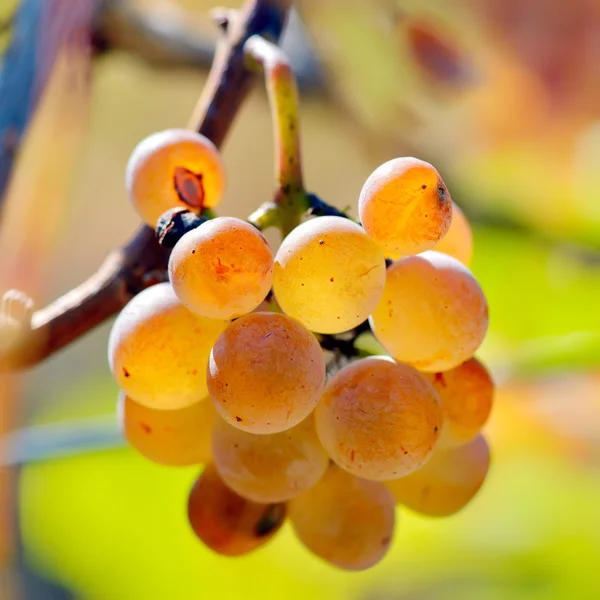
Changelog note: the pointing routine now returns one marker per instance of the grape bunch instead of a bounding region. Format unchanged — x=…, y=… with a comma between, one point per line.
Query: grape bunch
x=223, y=365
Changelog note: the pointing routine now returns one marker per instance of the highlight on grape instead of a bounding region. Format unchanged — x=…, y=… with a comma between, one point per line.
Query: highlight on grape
x=229, y=363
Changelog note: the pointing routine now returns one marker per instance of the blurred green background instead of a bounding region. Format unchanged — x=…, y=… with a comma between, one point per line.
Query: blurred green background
x=504, y=98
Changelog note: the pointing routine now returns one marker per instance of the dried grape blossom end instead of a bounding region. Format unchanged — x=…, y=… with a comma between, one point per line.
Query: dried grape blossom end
x=189, y=187
x=174, y=224
x=271, y=519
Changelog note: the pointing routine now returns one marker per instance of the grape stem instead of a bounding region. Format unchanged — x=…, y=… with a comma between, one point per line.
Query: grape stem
x=290, y=202
x=142, y=262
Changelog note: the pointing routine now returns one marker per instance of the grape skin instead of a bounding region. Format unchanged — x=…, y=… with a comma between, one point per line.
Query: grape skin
x=405, y=206
x=158, y=350
x=378, y=419
x=169, y=437
x=152, y=180
x=227, y=523
x=433, y=313
x=447, y=483
x=269, y=468
x=266, y=373
x=347, y=521
x=222, y=269
x=467, y=394
x=328, y=274
x=458, y=242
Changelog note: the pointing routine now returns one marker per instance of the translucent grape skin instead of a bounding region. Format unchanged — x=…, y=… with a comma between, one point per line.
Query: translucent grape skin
x=266, y=373
x=467, y=394
x=269, y=468
x=222, y=269
x=378, y=419
x=405, y=206
x=347, y=521
x=328, y=274
x=158, y=350
x=169, y=437
x=433, y=313
x=447, y=483
x=171, y=168
x=227, y=523
x=458, y=242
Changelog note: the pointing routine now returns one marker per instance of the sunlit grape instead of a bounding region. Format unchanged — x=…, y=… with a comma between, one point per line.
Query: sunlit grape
x=222, y=269
x=169, y=437
x=228, y=523
x=347, y=521
x=266, y=373
x=269, y=468
x=433, y=313
x=158, y=350
x=447, y=482
x=405, y=206
x=173, y=168
x=328, y=274
x=466, y=393
x=379, y=419
x=458, y=242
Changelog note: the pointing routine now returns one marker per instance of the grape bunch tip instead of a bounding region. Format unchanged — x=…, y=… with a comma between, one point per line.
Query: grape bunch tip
x=222, y=365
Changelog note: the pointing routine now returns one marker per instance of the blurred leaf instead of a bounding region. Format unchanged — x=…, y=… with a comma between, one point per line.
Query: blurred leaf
x=542, y=298
x=437, y=55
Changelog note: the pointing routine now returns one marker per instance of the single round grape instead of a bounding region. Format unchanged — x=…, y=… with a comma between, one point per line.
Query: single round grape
x=227, y=523
x=405, y=206
x=379, y=419
x=328, y=274
x=173, y=168
x=222, y=269
x=458, y=242
x=347, y=521
x=447, y=483
x=433, y=313
x=158, y=350
x=169, y=437
x=466, y=393
x=266, y=373
x=269, y=468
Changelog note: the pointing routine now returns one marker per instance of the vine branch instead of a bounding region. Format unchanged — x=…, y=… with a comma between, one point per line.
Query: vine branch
x=142, y=261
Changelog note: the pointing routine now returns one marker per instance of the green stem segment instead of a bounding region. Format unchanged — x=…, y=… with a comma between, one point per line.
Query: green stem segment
x=290, y=202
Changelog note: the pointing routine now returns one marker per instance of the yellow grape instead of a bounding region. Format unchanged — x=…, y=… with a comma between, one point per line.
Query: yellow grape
x=328, y=274
x=347, y=521
x=269, y=468
x=379, y=419
x=222, y=269
x=266, y=373
x=458, y=242
x=228, y=523
x=169, y=437
x=158, y=350
x=433, y=313
x=466, y=393
x=174, y=168
x=447, y=482
x=405, y=206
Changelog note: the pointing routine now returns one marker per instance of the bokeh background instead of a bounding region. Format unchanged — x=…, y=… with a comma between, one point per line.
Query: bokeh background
x=503, y=97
